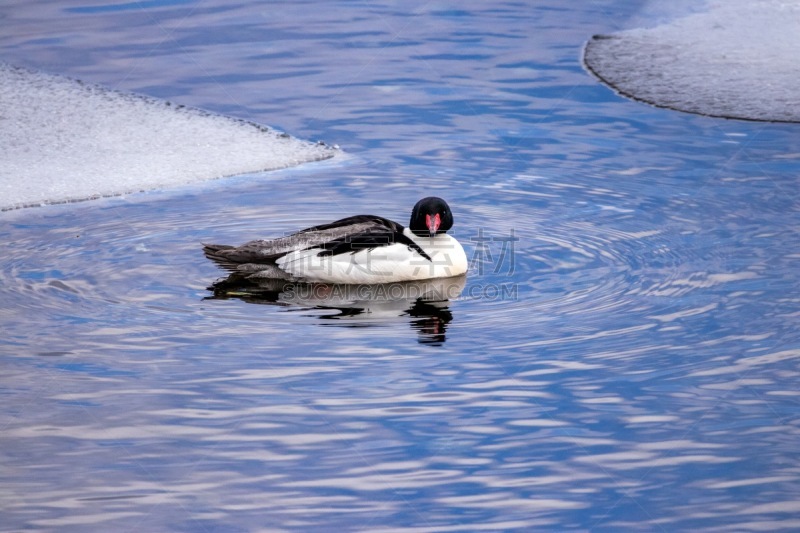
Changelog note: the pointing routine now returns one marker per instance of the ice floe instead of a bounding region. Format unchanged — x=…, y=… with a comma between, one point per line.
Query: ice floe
x=63, y=140
x=736, y=59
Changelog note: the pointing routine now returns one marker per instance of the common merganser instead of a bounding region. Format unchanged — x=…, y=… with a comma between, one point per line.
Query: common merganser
x=362, y=249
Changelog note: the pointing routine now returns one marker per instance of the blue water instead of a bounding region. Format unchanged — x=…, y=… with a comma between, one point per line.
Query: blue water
x=624, y=357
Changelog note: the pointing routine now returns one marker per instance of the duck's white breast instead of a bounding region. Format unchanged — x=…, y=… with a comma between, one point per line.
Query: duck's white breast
x=446, y=253
x=382, y=264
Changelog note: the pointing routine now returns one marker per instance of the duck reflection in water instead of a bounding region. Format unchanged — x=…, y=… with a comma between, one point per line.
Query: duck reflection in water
x=426, y=303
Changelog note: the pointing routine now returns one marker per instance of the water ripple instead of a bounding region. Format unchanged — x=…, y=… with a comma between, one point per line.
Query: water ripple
x=630, y=362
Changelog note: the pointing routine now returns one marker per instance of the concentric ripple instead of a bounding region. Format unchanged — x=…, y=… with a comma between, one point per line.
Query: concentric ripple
x=623, y=356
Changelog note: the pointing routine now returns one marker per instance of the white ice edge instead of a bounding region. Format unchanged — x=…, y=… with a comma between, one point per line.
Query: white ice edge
x=737, y=59
x=62, y=140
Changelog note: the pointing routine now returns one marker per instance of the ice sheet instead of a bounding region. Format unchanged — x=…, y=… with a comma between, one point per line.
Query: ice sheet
x=737, y=59
x=63, y=140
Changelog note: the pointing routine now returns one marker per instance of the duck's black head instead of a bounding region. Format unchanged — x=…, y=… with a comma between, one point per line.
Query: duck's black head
x=431, y=216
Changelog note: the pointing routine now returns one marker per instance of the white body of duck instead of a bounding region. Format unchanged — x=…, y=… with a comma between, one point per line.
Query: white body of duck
x=363, y=249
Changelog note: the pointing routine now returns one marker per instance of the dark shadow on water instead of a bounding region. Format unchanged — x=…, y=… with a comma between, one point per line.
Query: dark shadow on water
x=425, y=303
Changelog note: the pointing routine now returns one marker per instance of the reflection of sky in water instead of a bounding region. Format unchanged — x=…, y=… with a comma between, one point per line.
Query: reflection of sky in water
x=642, y=376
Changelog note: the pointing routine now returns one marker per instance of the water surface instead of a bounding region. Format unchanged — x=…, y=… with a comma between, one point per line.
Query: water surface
x=624, y=355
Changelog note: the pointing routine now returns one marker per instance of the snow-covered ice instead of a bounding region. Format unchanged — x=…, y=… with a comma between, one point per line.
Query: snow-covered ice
x=736, y=59
x=63, y=140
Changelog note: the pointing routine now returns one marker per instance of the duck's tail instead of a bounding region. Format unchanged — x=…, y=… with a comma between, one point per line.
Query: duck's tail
x=213, y=252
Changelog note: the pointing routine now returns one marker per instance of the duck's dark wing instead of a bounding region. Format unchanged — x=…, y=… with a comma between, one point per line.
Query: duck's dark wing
x=371, y=238
x=349, y=224
x=330, y=236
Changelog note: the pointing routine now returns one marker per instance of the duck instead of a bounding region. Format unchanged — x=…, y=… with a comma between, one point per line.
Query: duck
x=360, y=249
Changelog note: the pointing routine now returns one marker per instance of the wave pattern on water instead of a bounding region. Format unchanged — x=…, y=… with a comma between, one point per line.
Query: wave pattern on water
x=624, y=354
